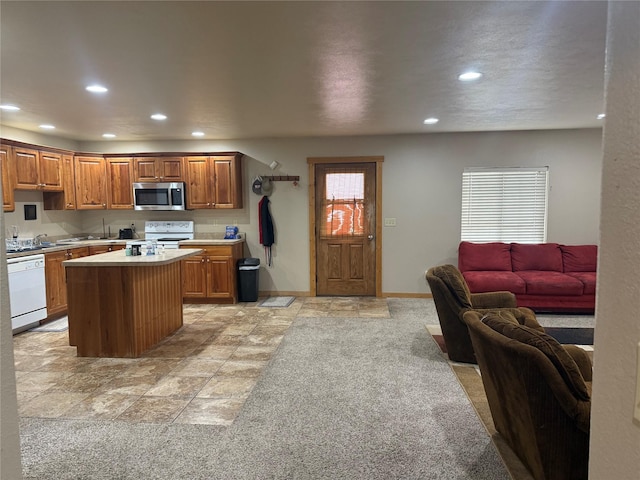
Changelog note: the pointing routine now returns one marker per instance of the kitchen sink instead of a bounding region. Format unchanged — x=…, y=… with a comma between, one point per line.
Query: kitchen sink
x=27, y=249
x=43, y=246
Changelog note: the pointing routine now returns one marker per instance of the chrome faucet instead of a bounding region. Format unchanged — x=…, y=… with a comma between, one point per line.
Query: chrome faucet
x=37, y=240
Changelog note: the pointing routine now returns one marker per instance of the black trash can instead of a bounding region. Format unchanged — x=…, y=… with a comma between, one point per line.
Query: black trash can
x=248, y=269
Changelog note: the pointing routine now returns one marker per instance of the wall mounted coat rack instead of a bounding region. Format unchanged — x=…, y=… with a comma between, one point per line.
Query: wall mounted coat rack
x=282, y=178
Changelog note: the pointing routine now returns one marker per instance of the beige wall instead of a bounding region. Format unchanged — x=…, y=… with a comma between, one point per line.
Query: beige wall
x=422, y=177
x=615, y=437
x=10, y=464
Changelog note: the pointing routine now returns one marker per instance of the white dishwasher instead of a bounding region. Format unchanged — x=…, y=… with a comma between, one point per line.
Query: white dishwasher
x=27, y=291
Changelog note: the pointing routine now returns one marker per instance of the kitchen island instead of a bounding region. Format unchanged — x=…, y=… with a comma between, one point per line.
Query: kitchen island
x=120, y=306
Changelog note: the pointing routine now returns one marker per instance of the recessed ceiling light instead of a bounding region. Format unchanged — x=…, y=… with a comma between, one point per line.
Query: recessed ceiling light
x=159, y=116
x=431, y=121
x=97, y=89
x=47, y=126
x=197, y=134
x=601, y=116
x=109, y=135
x=9, y=108
x=469, y=76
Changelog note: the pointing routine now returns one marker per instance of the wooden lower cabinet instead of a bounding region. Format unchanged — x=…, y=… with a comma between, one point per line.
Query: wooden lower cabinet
x=55, y=281
x=211, y=276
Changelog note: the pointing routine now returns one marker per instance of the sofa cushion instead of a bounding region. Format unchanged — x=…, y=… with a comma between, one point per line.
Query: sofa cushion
x=588, y=280
x=550, y=283
x=579, y=258
x=564, y=363
x=497, y=281
x=538, y=256
x=484, y=256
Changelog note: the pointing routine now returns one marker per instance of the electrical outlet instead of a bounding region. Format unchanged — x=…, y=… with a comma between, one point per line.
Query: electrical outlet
x=389, y=222
x=636, y=408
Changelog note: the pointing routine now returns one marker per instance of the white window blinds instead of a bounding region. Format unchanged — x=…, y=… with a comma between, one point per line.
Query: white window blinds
x=504, y=205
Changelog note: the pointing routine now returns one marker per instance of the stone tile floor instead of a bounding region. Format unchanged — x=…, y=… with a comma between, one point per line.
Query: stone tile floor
x=201, y=374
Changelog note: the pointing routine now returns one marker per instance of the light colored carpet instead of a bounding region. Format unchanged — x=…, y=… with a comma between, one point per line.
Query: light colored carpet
x=277, y=302
x=343, y=398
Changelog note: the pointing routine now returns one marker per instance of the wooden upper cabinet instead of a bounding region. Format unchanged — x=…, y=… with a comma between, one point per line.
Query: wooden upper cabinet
x=51, y=176
x=27, y=164
x=69, y=183
x=38, y=170
x=97, y=182
x=214, y=182
x=170, y=169
x=120, y=180
x=199, y=182
x=228, y=181
x=8, y=170
x=91, y=183
x=66, y=199
x=158, y=169
x=145, y=169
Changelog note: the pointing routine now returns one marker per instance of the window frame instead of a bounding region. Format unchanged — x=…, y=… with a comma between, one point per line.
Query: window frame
x=513, y=201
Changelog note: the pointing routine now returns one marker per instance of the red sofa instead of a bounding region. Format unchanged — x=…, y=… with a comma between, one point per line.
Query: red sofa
x=546, y=277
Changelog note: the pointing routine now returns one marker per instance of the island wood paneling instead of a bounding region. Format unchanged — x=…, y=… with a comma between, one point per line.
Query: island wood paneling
x=122, y=311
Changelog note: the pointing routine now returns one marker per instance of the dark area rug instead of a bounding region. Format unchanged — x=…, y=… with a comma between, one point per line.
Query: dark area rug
x=564, y=335
x=571, y=336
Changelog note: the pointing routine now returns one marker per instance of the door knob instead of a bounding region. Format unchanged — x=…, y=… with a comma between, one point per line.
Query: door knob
x=370, y=236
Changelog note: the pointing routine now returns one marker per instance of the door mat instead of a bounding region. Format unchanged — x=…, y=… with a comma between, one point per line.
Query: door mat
x=59, y=325
x=276, y=302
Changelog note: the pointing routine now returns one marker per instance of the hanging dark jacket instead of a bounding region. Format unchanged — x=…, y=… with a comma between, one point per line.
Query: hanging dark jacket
x=267, y=236
x=265, y=225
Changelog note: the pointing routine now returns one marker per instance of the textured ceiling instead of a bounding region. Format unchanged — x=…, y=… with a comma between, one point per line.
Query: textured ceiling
x=283, y=69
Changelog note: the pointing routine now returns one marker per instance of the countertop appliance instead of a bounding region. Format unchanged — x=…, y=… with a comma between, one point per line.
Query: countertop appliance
x=27, y=291
x=125, y=233
x=167, y=233
x=158, y=196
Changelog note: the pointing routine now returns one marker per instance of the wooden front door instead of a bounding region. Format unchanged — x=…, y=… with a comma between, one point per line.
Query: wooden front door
x=345, y=224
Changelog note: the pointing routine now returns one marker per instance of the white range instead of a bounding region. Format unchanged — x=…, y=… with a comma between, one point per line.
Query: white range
x=167, y=233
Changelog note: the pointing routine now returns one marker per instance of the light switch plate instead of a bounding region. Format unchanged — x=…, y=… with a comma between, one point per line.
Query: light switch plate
x=636, y=410
x=389, y=222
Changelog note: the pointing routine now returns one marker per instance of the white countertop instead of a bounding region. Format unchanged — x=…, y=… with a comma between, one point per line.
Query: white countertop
x=98, y=242
x=210, y=241
x=120, y=259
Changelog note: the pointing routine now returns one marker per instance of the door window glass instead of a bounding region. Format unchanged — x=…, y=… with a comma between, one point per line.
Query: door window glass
x=344, y=204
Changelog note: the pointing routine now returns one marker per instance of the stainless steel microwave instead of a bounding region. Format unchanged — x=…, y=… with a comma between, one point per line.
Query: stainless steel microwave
x=158, y=196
